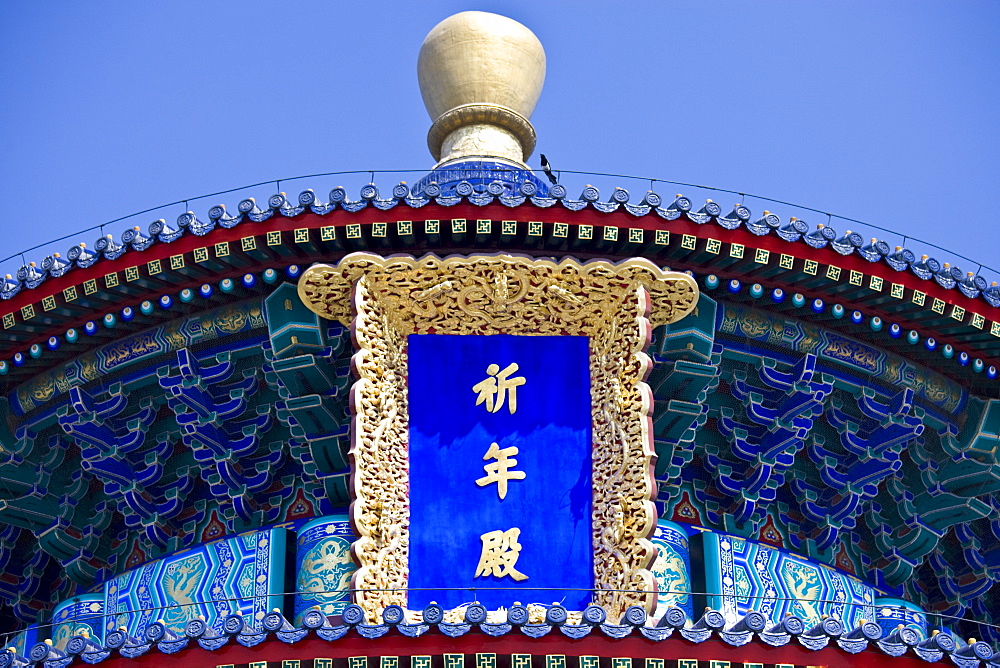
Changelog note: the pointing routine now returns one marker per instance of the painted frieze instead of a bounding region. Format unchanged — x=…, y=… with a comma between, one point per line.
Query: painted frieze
x=113, y=357
x=862, y=358
x=241, y=574
x=742, y=575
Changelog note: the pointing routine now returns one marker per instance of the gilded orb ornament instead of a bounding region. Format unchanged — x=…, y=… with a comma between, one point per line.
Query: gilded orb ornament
x=480, y=76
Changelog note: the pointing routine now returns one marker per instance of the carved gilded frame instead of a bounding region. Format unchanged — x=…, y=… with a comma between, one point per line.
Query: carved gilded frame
x=615, y=304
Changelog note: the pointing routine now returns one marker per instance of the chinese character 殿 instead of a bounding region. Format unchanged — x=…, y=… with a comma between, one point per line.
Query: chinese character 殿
x=500, y=553
x=495, y=387
x=499, y=471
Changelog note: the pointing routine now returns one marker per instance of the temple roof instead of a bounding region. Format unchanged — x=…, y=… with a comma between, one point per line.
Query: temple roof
x=955, y=317
x=166, y=387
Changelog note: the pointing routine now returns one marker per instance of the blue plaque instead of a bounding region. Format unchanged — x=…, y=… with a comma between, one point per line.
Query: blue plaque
x=500, y=470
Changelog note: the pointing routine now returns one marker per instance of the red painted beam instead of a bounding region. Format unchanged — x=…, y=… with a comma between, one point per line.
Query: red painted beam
x=596, y=644
x=497, y=212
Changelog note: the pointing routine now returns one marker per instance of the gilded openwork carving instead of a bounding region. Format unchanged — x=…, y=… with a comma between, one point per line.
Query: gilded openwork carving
x=624, y=516
x=487, y=294
x=380, y=480
x=616, y=305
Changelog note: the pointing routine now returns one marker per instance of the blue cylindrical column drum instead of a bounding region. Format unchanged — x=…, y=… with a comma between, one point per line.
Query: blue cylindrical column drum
x=324, y=565
x=75, y=615
x=672, y=569
x=891, y=612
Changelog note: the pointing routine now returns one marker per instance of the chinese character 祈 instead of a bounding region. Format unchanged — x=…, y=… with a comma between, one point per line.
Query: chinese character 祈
x=498, y=471
x=493, y=390
x=500, y=553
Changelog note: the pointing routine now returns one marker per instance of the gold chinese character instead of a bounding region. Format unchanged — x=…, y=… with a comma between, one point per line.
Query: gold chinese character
x=498, y=471
x=500, y=553
x=493, y=390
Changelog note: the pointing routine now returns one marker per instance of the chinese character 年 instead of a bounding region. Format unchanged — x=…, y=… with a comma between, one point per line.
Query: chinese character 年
x=499, y=471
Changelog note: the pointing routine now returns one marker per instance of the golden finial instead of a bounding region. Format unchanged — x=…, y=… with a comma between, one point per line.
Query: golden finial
x=480, y=76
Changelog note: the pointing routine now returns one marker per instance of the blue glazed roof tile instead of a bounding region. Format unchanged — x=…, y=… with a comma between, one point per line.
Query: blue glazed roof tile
x=29, y=277
x=159, y=638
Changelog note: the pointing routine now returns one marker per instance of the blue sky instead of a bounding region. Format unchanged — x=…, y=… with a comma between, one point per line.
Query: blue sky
x=880, y=111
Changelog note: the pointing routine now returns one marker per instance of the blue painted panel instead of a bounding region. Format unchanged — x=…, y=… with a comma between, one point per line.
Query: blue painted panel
x=76, y=614
x=241, y=574
x=891, y=612
x=743, y=576
x=22, y=642
x=241, y=317
x=672, y=569
x=452, y=515
x=324, y=565
x=857, y=362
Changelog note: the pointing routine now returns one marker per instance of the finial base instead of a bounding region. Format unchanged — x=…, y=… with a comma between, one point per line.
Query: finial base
x=482, y=174
x=481, y=129
x=481, y=140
